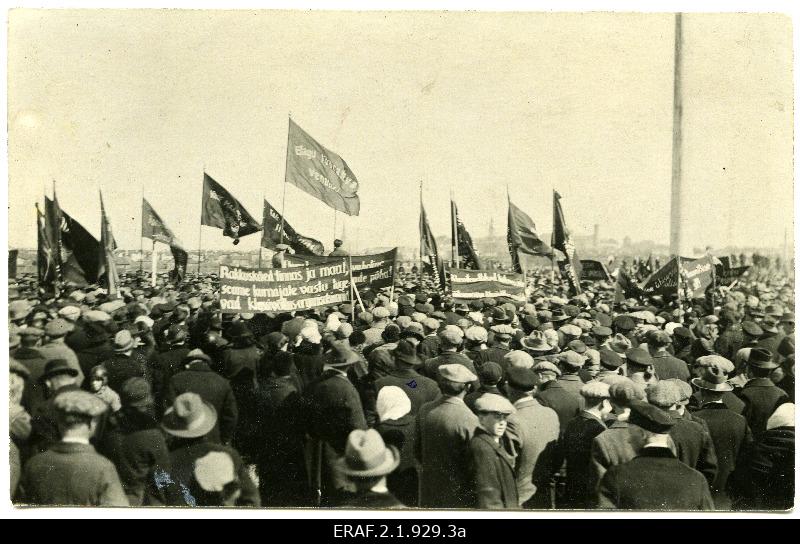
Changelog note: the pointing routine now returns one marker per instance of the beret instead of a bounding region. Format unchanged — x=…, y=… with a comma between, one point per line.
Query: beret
x=624, y=323
x=601, y=331
x=70, y=312
x=572, y=359
x=521, y=379
x=752, y=328
x=476, y=334
x=502, y=329
x=624, y=391
x=57, y=328
x=457, y=373
x=595, y=390
x=650, y=418
x=31, y=331
x=546, y=366
x=96, y=316
x=663, y=394
x=431, y=323
x=610, y=359
x=638, y=356
x=491, y=403
x=570, y=330
x=577, y=346
x=79, y=402
x=718, y=361
x=490, y=373
x=518, y=358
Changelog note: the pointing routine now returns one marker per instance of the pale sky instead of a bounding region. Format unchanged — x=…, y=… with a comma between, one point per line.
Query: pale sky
x=135, y=101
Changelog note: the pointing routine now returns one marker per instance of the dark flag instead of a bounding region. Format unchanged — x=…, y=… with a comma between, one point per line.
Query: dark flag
x=626, y=287
x=79, y=253
x=562, y=241
x=153, y=226
x=428, y=253
x=12, y=263
x=107, y=268
x=594, y=271
x=47, y=254
x=320, y=172
x=181, y=258
x=222, y=210
x=467, y=256
x=522, y=235
x=271, y=235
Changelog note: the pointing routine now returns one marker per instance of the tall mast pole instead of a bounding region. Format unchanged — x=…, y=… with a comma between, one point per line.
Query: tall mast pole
x=676, y=240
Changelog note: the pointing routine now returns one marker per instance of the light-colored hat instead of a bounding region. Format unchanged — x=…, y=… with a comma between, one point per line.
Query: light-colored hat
x=502, y=330
x=367, y=456
x=457, y=373
x=570, y=330
x=58, y=328
x=189, y=417
x=572, y=359
x=79, y=402
x=476, y=334
x=380, y=313
x=431, y=323
x=96, y=316
x=124, y=341
x=536, y=341
x=72, y=313
x=214, y=471
x=452, y=335
x=547, y=366
x=595, y=390
x=782, y=417
x=663, y=394
x=518, y=358
x=494, y=404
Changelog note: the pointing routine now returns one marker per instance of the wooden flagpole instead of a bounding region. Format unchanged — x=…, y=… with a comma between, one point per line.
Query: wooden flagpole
x=141, y=238
x=285, y=172
x=200, y=237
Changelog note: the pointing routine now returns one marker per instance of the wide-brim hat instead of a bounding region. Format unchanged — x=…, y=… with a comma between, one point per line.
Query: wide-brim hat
x=203, y=420
x=58, y=367
x=710, y=386
x=356, y=465
x=536, y=344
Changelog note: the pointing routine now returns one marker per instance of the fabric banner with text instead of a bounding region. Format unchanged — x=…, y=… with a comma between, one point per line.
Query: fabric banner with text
x=369, y=271
x=470, y=285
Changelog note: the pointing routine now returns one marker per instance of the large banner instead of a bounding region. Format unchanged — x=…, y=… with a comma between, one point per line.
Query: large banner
x=369, y=271
x=283, y=290
x=469, y=285
x=697, y=275
x=594, y=270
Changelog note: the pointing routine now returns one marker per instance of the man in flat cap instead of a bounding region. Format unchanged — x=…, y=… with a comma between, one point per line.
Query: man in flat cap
x=533, y=431
x=450, y=340
x=576, y=445
x=729, y=431
x=444, y=429
x=71, y=472
x=419, y=389
x=490, y=465
x=655, y=479
x=475, y=338
x=430, y=346
x=54, y=347
x=571, y=363
x=610, y=366
x=665, y=365
x=760, y=394
x=28, y=355
x=502, y=334
x=639, y=366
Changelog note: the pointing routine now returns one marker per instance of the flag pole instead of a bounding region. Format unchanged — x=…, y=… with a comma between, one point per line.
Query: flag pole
x=420, y=237
x=260, y=245
x=285, y=172
x=200, y=236
x=141, y=238
x=552, y=242
x=334, y=223
x=154, y=258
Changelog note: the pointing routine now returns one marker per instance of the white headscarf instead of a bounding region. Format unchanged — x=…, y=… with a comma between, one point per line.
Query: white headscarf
x=392, y=403
x=782, y=417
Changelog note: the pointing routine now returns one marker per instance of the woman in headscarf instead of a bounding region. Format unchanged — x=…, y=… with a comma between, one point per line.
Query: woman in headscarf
x=398, y=428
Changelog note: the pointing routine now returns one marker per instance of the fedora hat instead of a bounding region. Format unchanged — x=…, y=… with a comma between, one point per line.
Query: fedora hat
x=123, y=341
x=341, y=356
x=367, y=456
x=536, y=341
x=57, y=367
x=189, y=417
x=714, y=378
x=405, y=352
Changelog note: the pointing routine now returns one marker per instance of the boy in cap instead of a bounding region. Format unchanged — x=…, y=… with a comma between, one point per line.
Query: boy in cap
x=550, y=393
x=655, y=479
x=366, y=462
x=576, y=445
x=71, y=472
x=444, y=429
x=490, y=465
x=475, y=339
x=533, y=431
x=639, y=364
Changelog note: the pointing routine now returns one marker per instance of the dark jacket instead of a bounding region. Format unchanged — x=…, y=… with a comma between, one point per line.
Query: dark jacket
x=92, y=355
x=70, y=474
x=246, y=357
x=729, y=398
x=492, y=471
x=122, y=367
x=431, y=367
x=654, y=480
x=168, y=363
x=212, y=388
x=730, y=341
x=693, y=446
x=666, y=366
x=553, y=395
x=572, y=384
x=771, y=341
x=401, y=433
x=429, y=348
x=761, y=397
x=369, y=500
x=419, y=388
x=533, y=434
x=35, y=392
x=496, y=354
x=731, y=437
x=333, y=409
x=771, y=469
x=576, y=448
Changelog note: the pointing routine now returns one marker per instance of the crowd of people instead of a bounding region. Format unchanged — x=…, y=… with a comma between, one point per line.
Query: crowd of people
x=155, y=397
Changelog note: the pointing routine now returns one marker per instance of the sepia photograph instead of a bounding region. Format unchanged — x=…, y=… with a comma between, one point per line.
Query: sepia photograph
x=387, y=260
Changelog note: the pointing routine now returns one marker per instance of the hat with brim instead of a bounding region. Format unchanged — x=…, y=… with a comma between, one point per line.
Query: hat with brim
x=536, y=341
x=189, y=417
x=710, y=386
x=341, y=356
x=58, y=367
x=367, y=456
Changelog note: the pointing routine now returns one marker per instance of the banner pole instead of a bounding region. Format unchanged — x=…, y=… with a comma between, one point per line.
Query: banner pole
x=141, y=237
x=154, y=257
x=353, y=285
x=285, y=173
x=334, y=223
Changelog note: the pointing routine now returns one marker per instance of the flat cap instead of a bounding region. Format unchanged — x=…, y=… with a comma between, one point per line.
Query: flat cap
x=638, y=356
x=610, y=359
x=490, y=373
x=577, y=346
x=96, y=316
x=718, y=361
x=546, y=366
x=663, y=394
x=752, y=328
x=570, y=330
x=624, y=391
x=494, y=404
x=518, y=358
x=572, y=359
x=682, y=332
x=31, y=331
x=476, y=334
x=624, y=323
x=431, y=323
x=80, y=403
x=452, y=335
x=584, y=324
x=70, y=312
x=601, y=332
x=650, y=418
x=418, y=317
x=521, y=379
x=57, y=328
x=380, y=312
x=595, y=390
x=457, y=373
x=503, y=330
